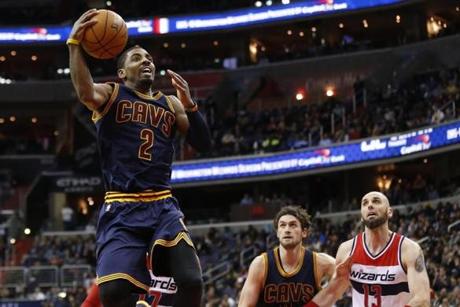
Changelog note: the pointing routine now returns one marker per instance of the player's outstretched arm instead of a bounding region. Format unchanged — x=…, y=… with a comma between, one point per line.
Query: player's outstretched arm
x=189, y=120
x=254, y=283
x=339, y=282
x=90, y=94
x=419, y=285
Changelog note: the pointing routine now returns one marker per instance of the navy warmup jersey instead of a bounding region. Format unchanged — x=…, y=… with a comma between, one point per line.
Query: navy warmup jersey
x=292, y=289
x=135, y=134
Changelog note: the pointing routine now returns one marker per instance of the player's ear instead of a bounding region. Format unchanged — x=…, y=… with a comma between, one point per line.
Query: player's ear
x=305, y=233
x=390, y=212
x=121, y=73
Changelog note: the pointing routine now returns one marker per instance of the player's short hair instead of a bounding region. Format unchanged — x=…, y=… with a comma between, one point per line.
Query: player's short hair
x=300, y=213
x=122, y=57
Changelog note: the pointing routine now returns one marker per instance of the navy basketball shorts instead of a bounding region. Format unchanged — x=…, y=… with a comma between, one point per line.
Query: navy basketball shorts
x=128, y=224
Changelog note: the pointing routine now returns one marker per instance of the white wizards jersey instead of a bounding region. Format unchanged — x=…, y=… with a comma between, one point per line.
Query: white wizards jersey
x=378, y=280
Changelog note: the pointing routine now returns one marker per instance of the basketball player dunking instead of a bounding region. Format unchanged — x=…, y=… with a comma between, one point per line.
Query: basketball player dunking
x=290, y=275
x=387, y=268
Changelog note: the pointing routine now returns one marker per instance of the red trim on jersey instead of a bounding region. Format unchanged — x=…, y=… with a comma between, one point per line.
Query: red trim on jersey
x=389, y=256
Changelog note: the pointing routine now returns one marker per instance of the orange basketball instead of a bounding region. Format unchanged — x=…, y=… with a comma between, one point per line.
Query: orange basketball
x=108, y=37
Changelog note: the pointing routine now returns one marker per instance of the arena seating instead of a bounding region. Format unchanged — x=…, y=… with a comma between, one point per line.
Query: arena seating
x=226, y=250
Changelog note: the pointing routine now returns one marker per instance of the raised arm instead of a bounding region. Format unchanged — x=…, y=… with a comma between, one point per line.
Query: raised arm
x=94, y=96
x=419, y=285
x=339, y=282
x=254, y=282
x=189, y=120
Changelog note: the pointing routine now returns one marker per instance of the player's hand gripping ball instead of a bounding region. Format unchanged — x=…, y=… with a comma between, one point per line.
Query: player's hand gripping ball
x=106, y=38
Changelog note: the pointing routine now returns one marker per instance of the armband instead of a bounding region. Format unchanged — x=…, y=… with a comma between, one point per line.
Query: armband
x=72, y=41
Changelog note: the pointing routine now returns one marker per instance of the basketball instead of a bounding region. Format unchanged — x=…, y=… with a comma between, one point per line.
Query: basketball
x=108, y=37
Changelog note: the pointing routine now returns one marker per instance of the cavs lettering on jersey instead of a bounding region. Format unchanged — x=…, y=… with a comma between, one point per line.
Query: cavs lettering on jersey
x=135, y=134
x=288, y=289
x=378, y=280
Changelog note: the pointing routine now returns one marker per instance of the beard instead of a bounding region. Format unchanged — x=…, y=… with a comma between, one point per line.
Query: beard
x=145, y=83
x=376, y=222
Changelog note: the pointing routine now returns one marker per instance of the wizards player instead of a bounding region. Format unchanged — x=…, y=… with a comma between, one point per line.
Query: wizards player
x=388, y=268
x=135, y=132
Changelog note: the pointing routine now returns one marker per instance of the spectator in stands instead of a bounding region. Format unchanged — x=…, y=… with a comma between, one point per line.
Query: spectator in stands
x=438, y=115
x=246, y=200
x=37, y=295
x=419, y=188
x=68, y=216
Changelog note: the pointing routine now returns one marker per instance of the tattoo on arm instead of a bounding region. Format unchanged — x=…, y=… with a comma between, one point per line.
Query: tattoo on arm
x=420, y=263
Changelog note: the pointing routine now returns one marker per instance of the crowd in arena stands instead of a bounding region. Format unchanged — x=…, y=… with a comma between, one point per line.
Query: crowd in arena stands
x=7, y=185
x=220, y=246
x=423, y=100
x=50, y=297
x=426, y=99
x=17, y=146
x=402, y=190
x=57, y=250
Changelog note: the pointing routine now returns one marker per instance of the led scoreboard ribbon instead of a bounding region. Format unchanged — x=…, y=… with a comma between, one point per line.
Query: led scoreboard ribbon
x=201, y=22
x=311, y=159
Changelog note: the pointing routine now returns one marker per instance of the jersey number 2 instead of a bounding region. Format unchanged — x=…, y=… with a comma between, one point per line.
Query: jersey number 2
x=374, y=290
x=147, y=137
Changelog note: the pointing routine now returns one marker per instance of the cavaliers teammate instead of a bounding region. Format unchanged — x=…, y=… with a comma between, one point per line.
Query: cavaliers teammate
x=288, y=275
x=135, y=132
x=387, y=268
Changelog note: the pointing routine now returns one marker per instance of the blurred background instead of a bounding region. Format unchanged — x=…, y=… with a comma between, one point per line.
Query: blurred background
x=312, y=103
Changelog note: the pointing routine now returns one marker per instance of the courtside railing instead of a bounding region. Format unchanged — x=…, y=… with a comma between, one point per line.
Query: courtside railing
x=45, y=276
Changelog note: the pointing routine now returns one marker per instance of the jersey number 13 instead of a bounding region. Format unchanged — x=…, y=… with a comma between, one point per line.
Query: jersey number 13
x=376, y=292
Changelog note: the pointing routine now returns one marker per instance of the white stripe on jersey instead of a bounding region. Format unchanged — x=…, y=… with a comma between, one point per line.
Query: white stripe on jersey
x=384, y=275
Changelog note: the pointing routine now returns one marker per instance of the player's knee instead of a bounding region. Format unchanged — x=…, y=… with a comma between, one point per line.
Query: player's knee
x=112, y=293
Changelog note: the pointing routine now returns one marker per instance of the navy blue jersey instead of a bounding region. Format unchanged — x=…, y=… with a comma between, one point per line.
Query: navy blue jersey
x=292, y=289
x=135, y=135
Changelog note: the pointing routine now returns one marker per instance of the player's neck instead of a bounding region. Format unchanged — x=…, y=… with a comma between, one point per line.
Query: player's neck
x=290, y=257
x=146, y=90
x=377, y=239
